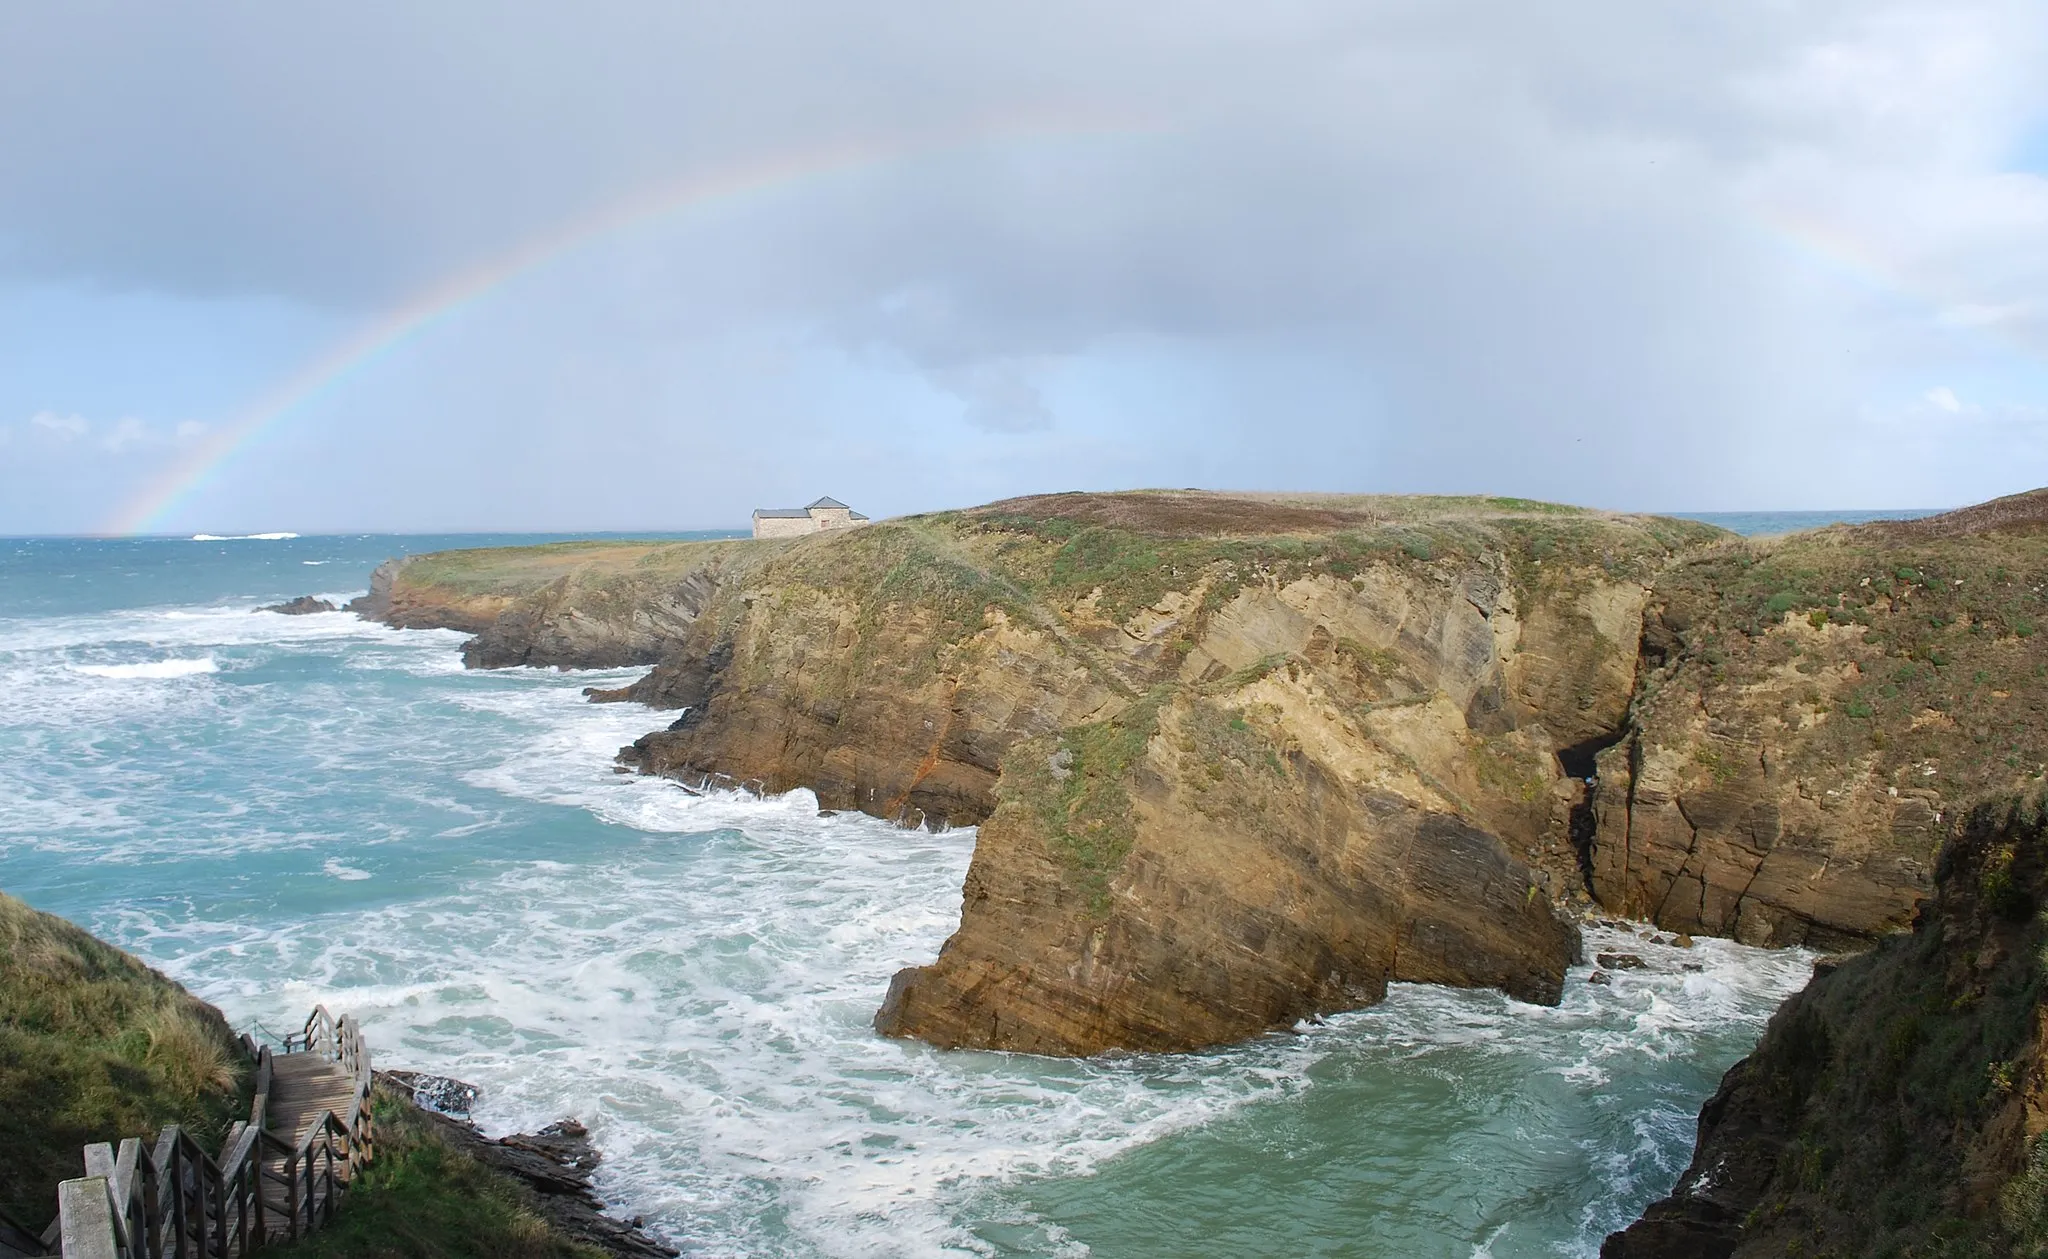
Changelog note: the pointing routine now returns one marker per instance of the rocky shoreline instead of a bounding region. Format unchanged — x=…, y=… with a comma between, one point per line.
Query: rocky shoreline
x=1239, y=760
x=1898, y=1104
x=556, y=1164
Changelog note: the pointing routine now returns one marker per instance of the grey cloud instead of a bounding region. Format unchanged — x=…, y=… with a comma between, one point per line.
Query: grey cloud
x=1542, y=243
x=999, y=397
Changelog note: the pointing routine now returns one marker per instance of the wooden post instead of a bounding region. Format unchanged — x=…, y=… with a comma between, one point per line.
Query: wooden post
x=170, y=1171
x=152, y=1201
x=86, y=1215
x=291, y=1175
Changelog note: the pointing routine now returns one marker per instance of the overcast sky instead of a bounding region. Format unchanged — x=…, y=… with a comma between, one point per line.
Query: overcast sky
x=1753, y=254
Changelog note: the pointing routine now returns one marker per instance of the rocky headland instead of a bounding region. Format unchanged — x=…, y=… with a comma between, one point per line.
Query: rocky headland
x=1236, y=760
x=1241, y=759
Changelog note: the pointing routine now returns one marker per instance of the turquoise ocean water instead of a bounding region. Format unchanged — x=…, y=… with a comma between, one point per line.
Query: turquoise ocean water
x=284, y=810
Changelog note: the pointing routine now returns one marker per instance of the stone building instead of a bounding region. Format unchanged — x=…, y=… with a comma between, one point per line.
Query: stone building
x=788, y=522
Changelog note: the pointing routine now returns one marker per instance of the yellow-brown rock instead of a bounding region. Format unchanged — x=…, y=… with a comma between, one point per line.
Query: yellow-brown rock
x=1241, y=759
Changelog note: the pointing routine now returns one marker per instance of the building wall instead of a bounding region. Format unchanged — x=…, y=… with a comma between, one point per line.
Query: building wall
x=783, y=526
x=832, y=517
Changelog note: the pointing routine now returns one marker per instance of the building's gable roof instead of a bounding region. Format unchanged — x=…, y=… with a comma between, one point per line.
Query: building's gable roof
x=854, y=515
x=782, y=513
x=827, y=503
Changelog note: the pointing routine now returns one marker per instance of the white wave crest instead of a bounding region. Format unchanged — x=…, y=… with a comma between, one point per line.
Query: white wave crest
x=150, y=669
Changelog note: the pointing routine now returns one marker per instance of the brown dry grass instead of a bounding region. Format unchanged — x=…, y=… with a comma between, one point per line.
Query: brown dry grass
x=2014, y=512
x=1178, y=513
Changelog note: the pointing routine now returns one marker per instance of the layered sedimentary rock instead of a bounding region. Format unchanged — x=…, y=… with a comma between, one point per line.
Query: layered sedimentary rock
x=1898, y=1104
x=1192, y=871
x=1810, y=713
x=572, y=605
x=1240, y=759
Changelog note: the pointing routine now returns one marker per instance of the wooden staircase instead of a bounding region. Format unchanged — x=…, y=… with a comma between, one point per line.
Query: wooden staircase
x=279, y=1175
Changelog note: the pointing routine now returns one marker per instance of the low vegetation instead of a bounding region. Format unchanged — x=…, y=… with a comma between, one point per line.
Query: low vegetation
x=512, y=571
x=1883, y=1114
x=1075, y=787
x=96, y=1046
x=422, y=1198
x=1128, y=550
x=1921, y=658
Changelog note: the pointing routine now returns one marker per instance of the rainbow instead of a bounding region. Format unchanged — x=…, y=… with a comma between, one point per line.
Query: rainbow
x=1828, y=244
x=213, y=453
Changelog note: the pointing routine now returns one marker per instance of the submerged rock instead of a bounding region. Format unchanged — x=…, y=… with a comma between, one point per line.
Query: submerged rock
x=304, y=605
x=438, y=1093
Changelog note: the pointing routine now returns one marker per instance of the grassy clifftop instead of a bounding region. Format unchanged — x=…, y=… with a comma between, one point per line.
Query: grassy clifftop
x=1811, y=708
x=511, y=571
x=94, y=1046
x=1921, y=653
x=1129, y=543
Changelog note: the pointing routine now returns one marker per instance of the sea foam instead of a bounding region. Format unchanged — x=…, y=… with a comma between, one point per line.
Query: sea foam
x=150, y=669
x=694, y=976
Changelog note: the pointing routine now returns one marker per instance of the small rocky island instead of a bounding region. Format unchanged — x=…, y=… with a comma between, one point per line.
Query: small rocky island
x=1242, y=759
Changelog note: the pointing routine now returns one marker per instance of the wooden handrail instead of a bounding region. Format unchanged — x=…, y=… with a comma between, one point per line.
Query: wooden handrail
x=174, y=1201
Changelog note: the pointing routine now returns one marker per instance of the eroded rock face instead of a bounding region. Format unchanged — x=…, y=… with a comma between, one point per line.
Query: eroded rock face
x=793, y=690
x=569, y=606
x=1811, y=714
x=1310, y=748
x=1243, y=884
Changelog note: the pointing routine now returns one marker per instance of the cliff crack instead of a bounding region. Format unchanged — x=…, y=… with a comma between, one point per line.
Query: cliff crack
x=1691, y=850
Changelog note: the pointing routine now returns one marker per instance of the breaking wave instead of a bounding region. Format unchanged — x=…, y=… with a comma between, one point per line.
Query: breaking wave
x=450, y=855
x=150, y=669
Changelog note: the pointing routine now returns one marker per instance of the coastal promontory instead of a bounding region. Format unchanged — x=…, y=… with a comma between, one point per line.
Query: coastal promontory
x=1240, y=759
x=1237, y=759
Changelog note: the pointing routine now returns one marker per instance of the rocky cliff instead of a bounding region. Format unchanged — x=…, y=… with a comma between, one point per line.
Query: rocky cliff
x=1898, y=1105
x=580, y=605
x=1812, y=711
x=1238, y=759
x=1232, y=753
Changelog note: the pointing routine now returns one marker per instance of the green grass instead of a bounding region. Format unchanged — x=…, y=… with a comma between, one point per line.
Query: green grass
x=95, y=1046
x=422, y=1198
x=1075, y=785
x=512, y=571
